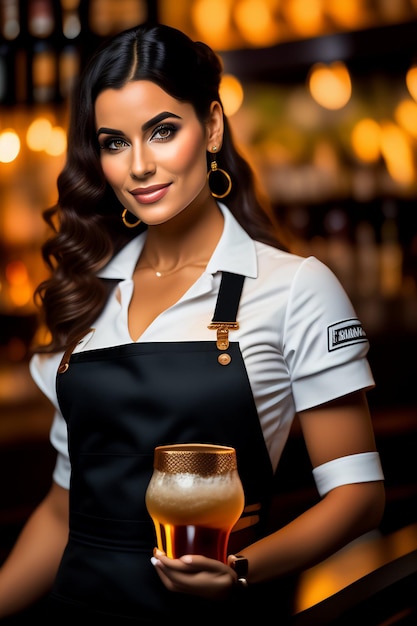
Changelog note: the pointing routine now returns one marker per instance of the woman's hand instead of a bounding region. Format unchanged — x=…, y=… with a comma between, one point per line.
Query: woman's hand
x=196, y=575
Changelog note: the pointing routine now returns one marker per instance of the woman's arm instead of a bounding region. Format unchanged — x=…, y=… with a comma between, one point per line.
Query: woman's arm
x=30, y=569
x=332, y=430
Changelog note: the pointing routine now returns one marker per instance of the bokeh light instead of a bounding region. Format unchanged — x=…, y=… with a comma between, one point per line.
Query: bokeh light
x=255, y=22
x=57, y=142
x=38, y=133
x=330, y=85
x=411, y=81
x=366, y=140
x=231, y=94
x=397, y=152
x=9, y=145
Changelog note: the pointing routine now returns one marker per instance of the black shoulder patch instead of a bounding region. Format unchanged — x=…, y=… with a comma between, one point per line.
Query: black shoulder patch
x=345, y=334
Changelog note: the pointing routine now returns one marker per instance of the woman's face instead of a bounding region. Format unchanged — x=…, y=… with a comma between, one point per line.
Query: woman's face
x=153, y=149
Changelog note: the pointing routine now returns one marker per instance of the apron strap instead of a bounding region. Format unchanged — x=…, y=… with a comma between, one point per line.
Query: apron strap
x=225, y=313
x=229, y=297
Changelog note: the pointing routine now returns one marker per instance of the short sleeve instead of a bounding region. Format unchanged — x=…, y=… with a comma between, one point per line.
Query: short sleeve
x=59, y=440
x=43, y=369
x=325, y=344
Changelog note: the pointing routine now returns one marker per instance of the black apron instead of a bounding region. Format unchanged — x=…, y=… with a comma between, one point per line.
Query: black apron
x=119, y=403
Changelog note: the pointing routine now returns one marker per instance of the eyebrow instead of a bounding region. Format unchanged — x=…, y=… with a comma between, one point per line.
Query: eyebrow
x=158, y=118
x=154, y=120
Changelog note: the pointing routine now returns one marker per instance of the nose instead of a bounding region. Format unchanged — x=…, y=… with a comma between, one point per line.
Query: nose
x=142, y=164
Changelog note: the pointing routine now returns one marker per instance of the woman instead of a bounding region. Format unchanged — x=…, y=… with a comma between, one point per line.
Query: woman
x=145, y=261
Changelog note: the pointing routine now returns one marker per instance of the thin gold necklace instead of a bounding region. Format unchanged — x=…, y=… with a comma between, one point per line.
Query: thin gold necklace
x=160, y=274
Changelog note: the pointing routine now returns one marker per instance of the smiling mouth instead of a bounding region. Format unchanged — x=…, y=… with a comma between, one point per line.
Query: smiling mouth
x=148, y=195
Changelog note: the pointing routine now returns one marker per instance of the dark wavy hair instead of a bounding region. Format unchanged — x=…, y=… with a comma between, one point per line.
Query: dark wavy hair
x=86, y=221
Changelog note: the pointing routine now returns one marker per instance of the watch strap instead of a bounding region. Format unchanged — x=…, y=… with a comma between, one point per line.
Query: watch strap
x=241, y=566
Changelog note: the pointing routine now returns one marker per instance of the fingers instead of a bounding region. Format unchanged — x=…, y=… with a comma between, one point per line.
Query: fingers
x=194, y=574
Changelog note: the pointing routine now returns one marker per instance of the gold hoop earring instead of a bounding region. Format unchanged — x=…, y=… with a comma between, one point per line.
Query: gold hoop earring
x=213, y=169
x=129, y=224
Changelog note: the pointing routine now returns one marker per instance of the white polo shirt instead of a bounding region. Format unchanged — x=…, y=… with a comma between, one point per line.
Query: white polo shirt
x=301, y=341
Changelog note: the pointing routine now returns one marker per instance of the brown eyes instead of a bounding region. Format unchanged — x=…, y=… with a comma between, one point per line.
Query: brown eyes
x=161, y=133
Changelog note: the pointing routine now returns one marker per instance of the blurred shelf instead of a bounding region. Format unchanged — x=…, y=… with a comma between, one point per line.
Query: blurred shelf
x=364, y=51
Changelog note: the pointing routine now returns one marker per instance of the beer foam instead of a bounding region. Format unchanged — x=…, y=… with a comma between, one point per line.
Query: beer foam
x=214, y=501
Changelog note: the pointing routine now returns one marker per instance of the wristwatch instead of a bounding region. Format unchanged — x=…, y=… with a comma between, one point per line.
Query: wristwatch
x=240, y=565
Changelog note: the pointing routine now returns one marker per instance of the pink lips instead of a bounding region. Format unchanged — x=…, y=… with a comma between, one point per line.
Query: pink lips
x=148, y=195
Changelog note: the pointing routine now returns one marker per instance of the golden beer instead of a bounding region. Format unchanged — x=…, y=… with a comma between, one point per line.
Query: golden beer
x=194, y=497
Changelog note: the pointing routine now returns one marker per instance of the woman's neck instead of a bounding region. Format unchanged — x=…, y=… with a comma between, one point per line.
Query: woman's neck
x=186, y=240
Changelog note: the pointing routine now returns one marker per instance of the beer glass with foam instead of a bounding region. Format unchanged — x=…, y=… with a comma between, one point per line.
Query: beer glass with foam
x=194, y=498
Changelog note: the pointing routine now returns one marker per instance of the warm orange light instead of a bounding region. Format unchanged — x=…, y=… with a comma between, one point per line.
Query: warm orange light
x=349, y=14
x=330, y=85
x=69, y=67
x=41, y=135
x=9, y=145
x=411, y=81
x=37, y=135
x=19, y=287
x=397, y=152
x=211, y=19
x=305, y=17
x=43, y=68
x=69, y=5
x=255, y=22
x=20, y=295
x=366, y=138
x=57, y=142
x=16, y=273
x=406, y=116
x=231, y=94
x=110, y=17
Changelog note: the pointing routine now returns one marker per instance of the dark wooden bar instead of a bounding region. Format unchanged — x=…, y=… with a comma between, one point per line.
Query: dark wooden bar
x=372, y=581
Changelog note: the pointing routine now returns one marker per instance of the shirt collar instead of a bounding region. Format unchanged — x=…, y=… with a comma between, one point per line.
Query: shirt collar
x=234, y=253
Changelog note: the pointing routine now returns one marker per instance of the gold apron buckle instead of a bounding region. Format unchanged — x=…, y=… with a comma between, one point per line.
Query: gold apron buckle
x=223, y=332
